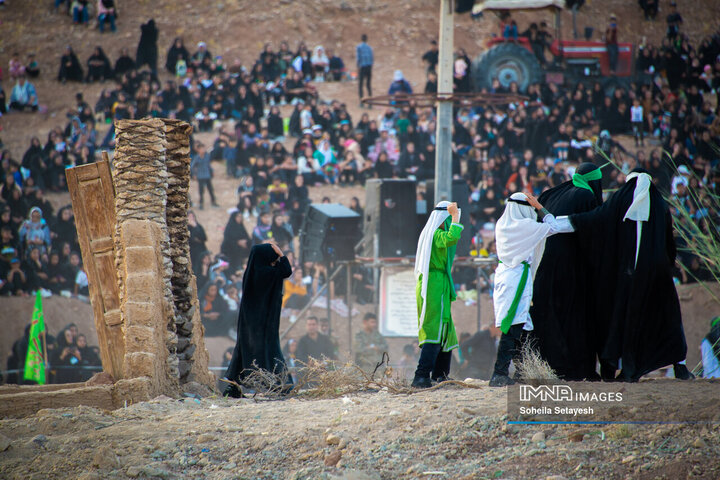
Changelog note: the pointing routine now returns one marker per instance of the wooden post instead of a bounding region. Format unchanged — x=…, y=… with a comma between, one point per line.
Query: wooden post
x=93, y=202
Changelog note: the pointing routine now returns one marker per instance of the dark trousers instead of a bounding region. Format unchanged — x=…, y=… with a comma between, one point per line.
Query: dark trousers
x=366, y=76
x=509, y=349
x=433, y=362
x=612, y=51
x=202, y=183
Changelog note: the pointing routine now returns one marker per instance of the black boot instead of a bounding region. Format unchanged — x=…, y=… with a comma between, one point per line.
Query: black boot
x=500, y=381
x=421, y=382
x=682, y=372
x=232, y=391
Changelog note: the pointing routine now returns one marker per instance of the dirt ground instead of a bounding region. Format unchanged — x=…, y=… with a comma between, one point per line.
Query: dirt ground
x=453, y=433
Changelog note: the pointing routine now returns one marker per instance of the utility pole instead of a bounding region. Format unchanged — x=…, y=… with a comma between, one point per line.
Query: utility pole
x=443, y=132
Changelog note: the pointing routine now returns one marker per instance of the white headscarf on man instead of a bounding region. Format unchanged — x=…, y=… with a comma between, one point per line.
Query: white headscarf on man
x=424, y=248
x=518, y=234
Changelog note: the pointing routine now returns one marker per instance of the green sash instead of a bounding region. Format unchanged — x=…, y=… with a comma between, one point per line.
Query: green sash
x=582, y=181
x=508, y=320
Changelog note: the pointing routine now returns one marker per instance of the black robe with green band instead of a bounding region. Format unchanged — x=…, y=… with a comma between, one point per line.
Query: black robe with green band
x=563, y=309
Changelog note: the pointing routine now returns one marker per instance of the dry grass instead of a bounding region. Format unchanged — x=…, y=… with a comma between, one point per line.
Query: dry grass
x=328, y=379
x=532, y=366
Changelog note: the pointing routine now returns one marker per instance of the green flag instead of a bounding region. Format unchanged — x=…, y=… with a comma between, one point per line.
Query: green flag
x=35, y=360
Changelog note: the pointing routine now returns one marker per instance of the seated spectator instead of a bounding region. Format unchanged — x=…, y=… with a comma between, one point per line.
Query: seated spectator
x=36, y=274
x=23, y=96
x=107, y=13
x=282, y=233
x=81, y=282
x=295, y=292
x=124, y=63
x=70, y=68
x=213, y=312
x=98, y=66
x=278, y=191
x=80, y=12
x=314, y=345
x=3, y=101
x=262, y=231
x=58, y=278
x=34, y=232
x=15, y=67
x=236, y=241
x=90, y=362
x=369, y=344
x=175, y=54
x=336, y=67
x=399, y=86
x=205, y=119
x=15, y=280
x=320, y=63
x=65, y=358
x=199, y=57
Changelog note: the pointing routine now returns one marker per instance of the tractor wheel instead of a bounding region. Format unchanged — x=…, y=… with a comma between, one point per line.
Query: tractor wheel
x=508, y=63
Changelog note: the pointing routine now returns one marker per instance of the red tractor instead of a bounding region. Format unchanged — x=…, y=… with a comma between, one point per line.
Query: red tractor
x=574, y=60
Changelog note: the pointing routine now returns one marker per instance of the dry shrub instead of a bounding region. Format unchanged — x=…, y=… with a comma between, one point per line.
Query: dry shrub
x=532, y=366
x=328, y=379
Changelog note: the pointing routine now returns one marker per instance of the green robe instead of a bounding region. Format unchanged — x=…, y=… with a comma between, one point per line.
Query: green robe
x=438, y=327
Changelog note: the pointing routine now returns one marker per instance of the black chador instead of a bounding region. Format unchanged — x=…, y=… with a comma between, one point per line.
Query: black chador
x=636, y=293
x=563, y=308
x=258, y=340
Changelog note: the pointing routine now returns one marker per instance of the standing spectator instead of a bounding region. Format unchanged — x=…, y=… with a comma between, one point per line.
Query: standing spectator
x=430, y=58
x=70, y=68
x=674, y=20
x=314, y=345
x=200, y=168
x=147, y=51
x=365, y=60
x=107, y=13
x=369, y=344
x=611, y=43
x=636, y=118
x=198, y=237
x=23, y=96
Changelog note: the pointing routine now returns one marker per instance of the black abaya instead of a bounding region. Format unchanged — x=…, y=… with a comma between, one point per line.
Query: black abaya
x=234, y=232
x=563, y=309
x=638, y=303
x=147, y=51
x=258, y=340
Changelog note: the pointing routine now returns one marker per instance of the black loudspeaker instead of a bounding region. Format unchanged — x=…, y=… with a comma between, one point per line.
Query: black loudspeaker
x=329, y=233
x=460, y=195
x=390, y=213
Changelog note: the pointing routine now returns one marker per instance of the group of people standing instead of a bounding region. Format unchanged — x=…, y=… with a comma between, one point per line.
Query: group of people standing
x=600, y=293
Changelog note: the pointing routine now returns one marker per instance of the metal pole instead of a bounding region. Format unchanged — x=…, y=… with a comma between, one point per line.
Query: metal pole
x=329, y=292
x=443, y=132
x=348, y=286
x=477, y=288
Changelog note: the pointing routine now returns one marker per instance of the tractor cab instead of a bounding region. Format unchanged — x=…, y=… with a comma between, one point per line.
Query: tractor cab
x=513, y=60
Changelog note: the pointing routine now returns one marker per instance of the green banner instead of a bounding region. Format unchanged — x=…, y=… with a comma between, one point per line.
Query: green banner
x=35, y=360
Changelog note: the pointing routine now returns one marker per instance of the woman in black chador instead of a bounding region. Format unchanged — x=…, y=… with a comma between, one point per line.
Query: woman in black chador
x=258, y=339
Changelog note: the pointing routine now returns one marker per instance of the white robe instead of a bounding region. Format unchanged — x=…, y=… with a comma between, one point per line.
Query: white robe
x=507, y=277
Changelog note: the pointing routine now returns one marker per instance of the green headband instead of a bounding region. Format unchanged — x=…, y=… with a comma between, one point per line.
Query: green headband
x=582, y=180
x=714, y=322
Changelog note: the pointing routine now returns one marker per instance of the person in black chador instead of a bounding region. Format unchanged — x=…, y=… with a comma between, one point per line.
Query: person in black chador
x=147, y=51
x=258, y=340
x=70, y=68
x=563, y=307
x=636, y=298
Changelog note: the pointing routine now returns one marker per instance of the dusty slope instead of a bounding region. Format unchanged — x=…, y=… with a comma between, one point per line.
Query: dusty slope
x=450, y=433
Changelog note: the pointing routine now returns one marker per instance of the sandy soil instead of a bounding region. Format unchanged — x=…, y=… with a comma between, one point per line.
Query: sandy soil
x=453, y=432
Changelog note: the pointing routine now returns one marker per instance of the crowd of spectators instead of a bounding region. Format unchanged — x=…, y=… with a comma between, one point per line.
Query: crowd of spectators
x=69, y=357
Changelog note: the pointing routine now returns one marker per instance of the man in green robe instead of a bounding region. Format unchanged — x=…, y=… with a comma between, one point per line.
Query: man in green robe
x=435, y=291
